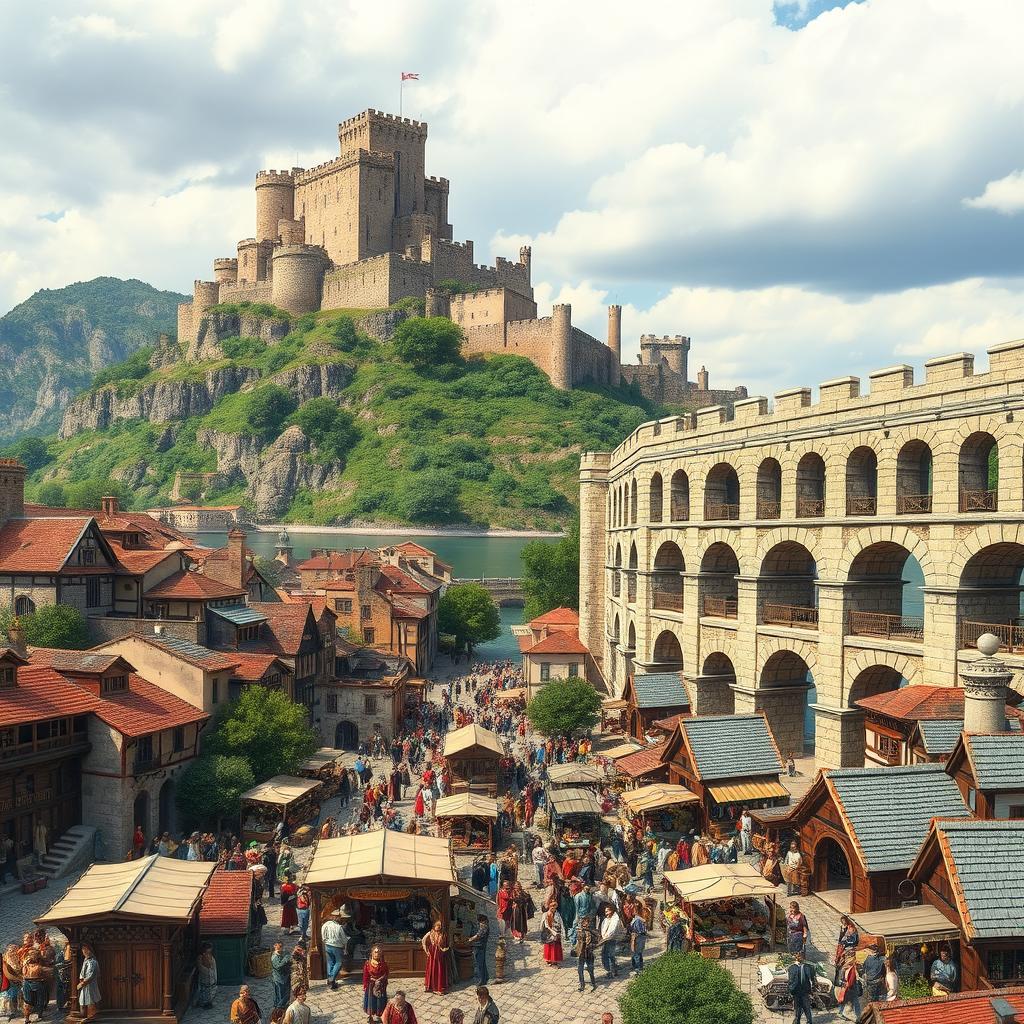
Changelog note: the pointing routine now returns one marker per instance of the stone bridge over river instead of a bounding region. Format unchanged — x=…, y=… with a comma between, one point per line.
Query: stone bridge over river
x=506, y=590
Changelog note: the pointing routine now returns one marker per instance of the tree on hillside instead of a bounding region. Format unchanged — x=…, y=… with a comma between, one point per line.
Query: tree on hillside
x=428, y=343
x=89, y=493
x=32, y=452
x=432, y=497
x=564, y=706
x=684, y=988
x=52, y=495
x=267, y=729
x=268, y=408
x=330, y=428
x=551, y=573
x=52, y=625
x=468, y=613
x=210, y=789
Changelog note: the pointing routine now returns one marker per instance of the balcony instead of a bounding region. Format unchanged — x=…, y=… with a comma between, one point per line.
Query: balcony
x=909, y=504
x=789, y=615
x=140, y=766
x=810, y=508
x=886, y=627
x=721, y=510
x=721, y=607
x=667, y=592
x=861, y=506
x=1010, y=634
x=767, y=508
x=979, y=501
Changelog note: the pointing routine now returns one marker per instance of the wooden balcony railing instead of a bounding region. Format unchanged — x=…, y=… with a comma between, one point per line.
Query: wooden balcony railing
x=907, y=504
x=721, y=607
x=789, y=615
x=861, y=506
x=721, y=510
x=809, y=508
x=979, y=501
x=887, y=627
x=768, y=508
x=1010, y=634
x=680, y=515
x=49, y=743
x=667, y=592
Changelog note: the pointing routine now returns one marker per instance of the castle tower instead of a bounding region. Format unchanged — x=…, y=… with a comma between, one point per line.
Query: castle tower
x=12, y=490
x=675, y=352
x=225, y=270
x=615, y=331
x=985, y=683
x=297, y=278
x=275, y=201
x=204, y=295
x=702, y=379
x=525, y=256
x=561, y=347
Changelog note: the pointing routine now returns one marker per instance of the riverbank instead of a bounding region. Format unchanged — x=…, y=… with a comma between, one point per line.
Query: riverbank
x=408, y=531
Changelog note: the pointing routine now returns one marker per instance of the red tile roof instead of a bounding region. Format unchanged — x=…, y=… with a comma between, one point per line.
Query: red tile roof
x=337, y=561
x=226, y=903
x=408, y=547
x=285, y=625
x=394, y=579
x=253, y=667
x=407, y=609
x=42, y=693
x=192, y=586
x=669, y=724
x=559, y=643
x=154, y=534
x=144, y=708
x=339, y=585
x=191, y=654
x=916, y=702
x=39, y=545
x=640, y=762
x=80, y=662
x=556, y=617
x=960, y=1008
x=140, y=560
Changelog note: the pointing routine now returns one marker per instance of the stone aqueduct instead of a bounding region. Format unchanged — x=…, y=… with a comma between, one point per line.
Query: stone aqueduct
x=772, y=552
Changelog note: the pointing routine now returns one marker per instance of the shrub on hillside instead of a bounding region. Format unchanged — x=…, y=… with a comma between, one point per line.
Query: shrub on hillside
x=429, y=344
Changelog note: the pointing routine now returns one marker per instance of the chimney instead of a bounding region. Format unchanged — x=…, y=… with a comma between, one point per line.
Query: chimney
x=235, y=575
x=12, y=490
x=985, y=682
x=702, y=379
x=108, y=504
x=16, y=636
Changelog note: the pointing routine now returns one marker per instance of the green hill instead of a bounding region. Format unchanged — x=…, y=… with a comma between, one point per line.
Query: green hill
x=313, y=420
x=53, y=343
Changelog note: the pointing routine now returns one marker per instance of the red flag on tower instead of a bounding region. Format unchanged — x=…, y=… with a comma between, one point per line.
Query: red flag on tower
x=410, y=74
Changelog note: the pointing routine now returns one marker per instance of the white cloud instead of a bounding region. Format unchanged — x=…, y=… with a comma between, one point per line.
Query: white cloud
x=101, y=26
x=1005, y=195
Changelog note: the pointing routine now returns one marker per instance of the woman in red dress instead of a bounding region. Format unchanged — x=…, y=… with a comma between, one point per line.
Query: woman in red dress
x=375, y=985
x=504, y=901
x=418, y=807
x=551, y=931
x=435, y=945
x=289, y=896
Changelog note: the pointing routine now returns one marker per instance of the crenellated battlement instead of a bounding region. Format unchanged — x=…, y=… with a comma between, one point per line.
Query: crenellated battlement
x=440, y=183
x=273, y=177
x=379, y=117
x=653, y=341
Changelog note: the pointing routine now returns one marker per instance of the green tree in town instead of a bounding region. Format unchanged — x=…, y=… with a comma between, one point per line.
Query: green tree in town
x=428, y=343
x=684, y=988
x=52, y=625
x=551, y=573
x=210, y=790
x=266, y=728
x=468, y=613
x=564, y=706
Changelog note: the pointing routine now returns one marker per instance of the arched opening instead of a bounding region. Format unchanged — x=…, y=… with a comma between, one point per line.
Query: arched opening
x=616, y=574
x=862, y=482
x=166, y=808
x=656, y=499
x=667, y=578
x=615, y=629
x=668, y=654
x=631, y=575
x=140, y=814
x=715, y=694
x=786, y=684
x=24, y=605
x=631, y=638
x=632, y=503
x=989, y=597
x=718, y=588
x=887, y=601
x=722, y=493
x=877, y=743
x=831, y=866
x=810, y=486
x=786, y=595
x=680, y=497
x=769, y=489
x=914, y=479
x=979, y=473
x=346, y=736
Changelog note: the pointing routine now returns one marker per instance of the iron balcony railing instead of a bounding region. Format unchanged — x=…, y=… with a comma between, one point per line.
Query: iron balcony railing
x=768, y=508
x=721, y=607
x=886, y=627
x=1010, y=634
x=721, y=510
x=861, y=506
x=809, y=508
x=907, y=504
x=789, y=615
x=979, y=501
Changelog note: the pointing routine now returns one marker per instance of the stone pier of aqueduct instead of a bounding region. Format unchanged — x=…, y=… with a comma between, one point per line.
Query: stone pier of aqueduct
x=777, y=556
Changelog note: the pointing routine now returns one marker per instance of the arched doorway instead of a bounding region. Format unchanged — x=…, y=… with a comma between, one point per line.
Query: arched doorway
x=722, y=493
x=810, y=486
x=769, y=489
x=140, y=813
x=166, y=809
x=346, y=736
x=787, y=672
x=715, y=694
x=668, y=654
x=786, y=594
x=989, y=598
x=667, y=578
x=718, y=588
x=831, y=866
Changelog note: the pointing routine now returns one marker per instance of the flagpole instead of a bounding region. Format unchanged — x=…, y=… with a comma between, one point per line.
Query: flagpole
x=401, y=90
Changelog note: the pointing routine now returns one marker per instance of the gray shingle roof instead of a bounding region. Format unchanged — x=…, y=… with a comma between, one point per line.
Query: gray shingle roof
x=240, y=614
x=998, y=760
x=940, y=735
x=660, y=690
x=890, y=809
x=987, y=856
x=731, y=746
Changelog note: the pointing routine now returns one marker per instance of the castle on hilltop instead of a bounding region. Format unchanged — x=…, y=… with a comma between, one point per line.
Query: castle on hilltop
x=368, y=228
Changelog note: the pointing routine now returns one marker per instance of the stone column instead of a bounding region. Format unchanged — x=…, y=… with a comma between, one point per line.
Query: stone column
x=941, y=642
x=985, y=683
x=746, y=621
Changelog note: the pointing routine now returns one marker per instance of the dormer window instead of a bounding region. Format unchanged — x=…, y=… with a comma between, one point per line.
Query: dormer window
x=8, y=677
x=114, y=684
x=88, y=556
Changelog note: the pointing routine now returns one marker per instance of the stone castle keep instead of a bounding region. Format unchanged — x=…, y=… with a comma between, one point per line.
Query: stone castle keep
x=368, y=228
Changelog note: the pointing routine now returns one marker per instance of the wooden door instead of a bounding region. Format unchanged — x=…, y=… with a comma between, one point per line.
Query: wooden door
x=115, y=980
x=147, y=978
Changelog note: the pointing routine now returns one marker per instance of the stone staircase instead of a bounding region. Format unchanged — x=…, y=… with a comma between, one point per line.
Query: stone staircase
x=71, y=852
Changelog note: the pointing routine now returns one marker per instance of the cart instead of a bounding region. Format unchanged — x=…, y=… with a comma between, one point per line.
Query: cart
x=773, y=975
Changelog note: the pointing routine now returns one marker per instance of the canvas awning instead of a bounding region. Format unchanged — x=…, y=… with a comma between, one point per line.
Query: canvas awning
x=711, y=882
x=574, y=801
x=746, y=789
x=908, y=926
x=574, y=774
x=321, y=759
x=516, y=693
x=613, y=704
x=657, y=796
x=381, y=854
x=281, y=790
x=473, y=735
x=154, y=887
x=620, y=750
x=466, y=805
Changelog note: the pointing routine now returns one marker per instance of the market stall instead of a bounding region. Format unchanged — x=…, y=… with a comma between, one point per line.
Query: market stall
x=613, y=715
x=474, y=755
x=141, y=918
x=326, y=766
x=507, y=696
x=395, y=885
x=912, y=936
x=575, y=773
x=470, y=820
x=575, y=816
x=226, y=922
x=729, y=908
x=285, y=798
x=662, y=806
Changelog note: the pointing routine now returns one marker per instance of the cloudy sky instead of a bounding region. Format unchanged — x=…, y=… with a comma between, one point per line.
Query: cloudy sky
x=806, y=189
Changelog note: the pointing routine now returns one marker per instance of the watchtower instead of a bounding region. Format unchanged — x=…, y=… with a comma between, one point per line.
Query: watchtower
x=675, y=351
x=275, y=201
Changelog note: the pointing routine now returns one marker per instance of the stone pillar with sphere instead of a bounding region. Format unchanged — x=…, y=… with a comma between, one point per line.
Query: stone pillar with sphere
x=985, y=681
